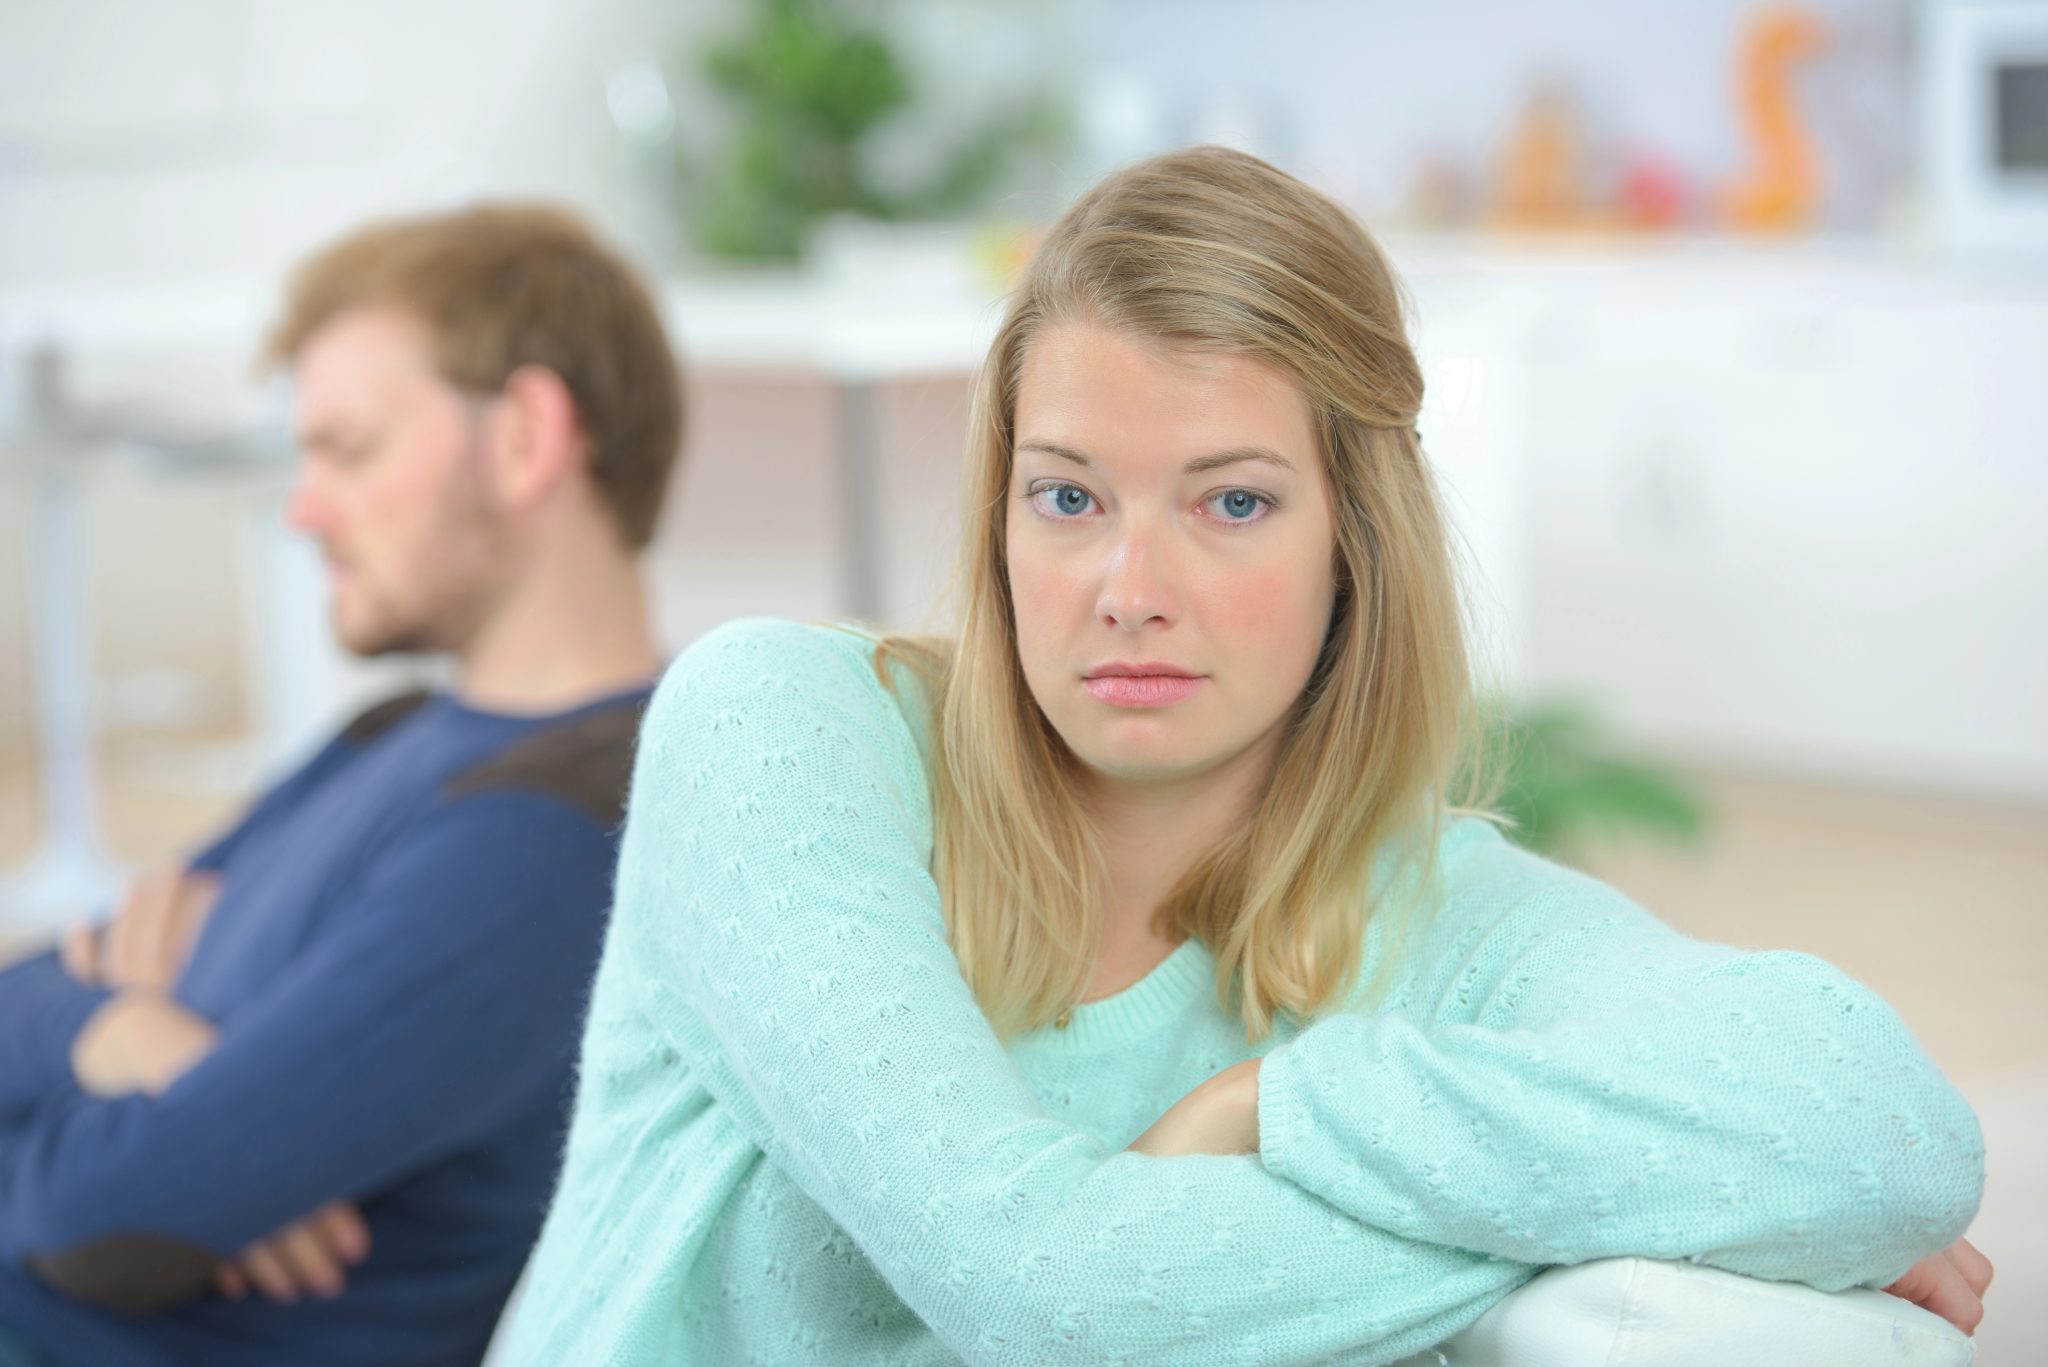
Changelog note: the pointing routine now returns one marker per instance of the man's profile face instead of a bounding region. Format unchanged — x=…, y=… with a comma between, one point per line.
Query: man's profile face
x=393, y=486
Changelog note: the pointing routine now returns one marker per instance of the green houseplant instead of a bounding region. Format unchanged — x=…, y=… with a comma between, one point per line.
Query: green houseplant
x=1569, y=786
x=808, y=83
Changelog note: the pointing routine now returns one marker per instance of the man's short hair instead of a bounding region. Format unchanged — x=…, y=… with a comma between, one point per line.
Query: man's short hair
x=500, y=286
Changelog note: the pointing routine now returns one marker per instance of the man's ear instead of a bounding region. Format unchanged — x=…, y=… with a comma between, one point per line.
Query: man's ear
x=541, y=442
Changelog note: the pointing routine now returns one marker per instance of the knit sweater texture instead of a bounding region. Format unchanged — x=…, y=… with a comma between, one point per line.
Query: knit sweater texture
x=797, y=1139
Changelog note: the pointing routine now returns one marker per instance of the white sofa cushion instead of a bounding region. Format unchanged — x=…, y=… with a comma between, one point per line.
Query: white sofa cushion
x=1641, y=1312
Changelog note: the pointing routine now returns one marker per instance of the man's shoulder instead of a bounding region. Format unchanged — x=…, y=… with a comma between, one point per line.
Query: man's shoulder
x=585, y=760
x=380, y=716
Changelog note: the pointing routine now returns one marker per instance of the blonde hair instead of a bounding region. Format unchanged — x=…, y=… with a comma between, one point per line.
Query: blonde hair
x=1214, y=250
x=499, y=286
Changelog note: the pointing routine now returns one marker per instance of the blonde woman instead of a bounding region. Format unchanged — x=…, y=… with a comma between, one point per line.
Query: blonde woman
x=1117, y=982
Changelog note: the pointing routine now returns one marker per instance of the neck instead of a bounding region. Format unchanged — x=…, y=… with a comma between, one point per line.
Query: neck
x=1153, y=833
x=568, y=631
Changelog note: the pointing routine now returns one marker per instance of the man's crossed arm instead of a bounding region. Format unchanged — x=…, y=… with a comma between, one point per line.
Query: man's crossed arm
x=190, y=1154
x=138, y=1041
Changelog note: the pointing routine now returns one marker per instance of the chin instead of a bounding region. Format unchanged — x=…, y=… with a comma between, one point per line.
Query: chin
x=364, y=647
x=1157, y=749
x=368, y=640
x=1150, y=759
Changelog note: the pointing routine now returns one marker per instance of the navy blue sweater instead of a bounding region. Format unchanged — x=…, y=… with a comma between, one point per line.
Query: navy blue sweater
x=398, y=964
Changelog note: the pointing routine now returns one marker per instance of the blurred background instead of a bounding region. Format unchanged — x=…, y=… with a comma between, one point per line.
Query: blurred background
x=1734, y=317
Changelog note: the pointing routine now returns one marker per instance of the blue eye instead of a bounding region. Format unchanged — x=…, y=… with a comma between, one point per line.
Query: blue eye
x=1239, y=505
x=1062, y=500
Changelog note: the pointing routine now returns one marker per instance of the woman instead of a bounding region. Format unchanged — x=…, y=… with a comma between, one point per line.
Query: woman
x=911, y=940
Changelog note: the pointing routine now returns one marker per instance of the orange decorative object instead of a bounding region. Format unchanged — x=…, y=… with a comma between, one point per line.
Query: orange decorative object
x=1542, y=167
x=1781, y=189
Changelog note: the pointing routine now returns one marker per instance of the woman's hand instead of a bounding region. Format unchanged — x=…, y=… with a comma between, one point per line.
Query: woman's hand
x=1221, y=1116
x=1950, y=1283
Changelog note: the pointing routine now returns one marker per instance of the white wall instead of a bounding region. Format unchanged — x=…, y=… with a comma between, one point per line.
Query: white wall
x=187, y=156
x=141, y=141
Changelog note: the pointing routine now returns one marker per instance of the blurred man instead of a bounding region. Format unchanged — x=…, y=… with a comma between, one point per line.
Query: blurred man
x=302, y=1098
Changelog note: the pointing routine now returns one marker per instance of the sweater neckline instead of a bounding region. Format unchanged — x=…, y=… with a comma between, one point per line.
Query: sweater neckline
x=453, y=703
x=1164, y=994
x=1160, y=996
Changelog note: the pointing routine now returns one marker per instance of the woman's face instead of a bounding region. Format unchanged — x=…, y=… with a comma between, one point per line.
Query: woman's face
x=1171, y=551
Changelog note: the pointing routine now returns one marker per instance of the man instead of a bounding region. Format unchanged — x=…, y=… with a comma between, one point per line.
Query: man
x=302, y=1099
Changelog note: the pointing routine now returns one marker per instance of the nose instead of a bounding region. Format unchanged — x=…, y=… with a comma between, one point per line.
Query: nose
x=1137, y=580
x=304, y=509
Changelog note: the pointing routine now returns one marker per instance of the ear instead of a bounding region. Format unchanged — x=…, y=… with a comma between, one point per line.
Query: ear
x=541, y=443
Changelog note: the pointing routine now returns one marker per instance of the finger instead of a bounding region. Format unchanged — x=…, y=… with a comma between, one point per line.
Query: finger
x=1935, y=1285
x=146, y=944
x=160, y=886
x=80, y=953
x=263, y=1266
x=154, y=944
x=230, y=1282
x=1975, y=1267
x=310, y=1264
x=126, y=960
x=197, y=893
x=345, y=1232
x=115, y=938
x=1960, y=1307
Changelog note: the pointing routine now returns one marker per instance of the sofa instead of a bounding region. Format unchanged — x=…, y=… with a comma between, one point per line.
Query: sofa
x=1640, y=1312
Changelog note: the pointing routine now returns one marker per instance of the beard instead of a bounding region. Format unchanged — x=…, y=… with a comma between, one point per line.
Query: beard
x=454, y=586
x=382, y=626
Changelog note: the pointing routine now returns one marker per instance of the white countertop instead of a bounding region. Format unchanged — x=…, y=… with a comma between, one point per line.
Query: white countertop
x=894, y=322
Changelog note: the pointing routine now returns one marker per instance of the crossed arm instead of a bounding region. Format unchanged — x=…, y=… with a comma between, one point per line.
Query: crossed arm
x=1221, y=1116
x=142, y=1041
x=180, y=1143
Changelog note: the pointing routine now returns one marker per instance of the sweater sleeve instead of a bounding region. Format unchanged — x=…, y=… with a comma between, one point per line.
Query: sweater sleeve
x=42, y=1009
x=1599, y=1085
x=778, y=931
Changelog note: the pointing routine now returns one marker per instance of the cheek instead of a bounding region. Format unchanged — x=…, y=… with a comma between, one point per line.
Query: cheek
x=1049, y=591
x=402, y=503
x=379, y=514
x=1273, y=616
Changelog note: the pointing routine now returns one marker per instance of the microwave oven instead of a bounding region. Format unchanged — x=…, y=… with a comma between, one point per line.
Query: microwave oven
x=1984, y=117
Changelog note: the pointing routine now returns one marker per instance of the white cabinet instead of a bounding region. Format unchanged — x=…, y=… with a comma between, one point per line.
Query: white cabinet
x=1787, y=514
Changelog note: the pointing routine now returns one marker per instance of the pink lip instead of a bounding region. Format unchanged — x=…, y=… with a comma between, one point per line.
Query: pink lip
x=1140, y=685
x=1145, y=668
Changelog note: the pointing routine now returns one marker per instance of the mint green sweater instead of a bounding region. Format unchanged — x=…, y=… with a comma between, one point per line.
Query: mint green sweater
x=797, y=1140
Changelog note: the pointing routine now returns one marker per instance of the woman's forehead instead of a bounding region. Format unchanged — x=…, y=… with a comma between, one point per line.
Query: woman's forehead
x=1106, y=396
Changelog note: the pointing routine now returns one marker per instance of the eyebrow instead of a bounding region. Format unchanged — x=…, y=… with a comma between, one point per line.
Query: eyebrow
x=1215, y=460
x=328, y=432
